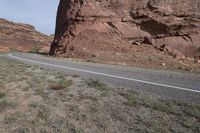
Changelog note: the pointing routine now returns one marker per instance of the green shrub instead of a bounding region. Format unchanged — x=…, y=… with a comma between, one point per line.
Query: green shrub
x=2, y=95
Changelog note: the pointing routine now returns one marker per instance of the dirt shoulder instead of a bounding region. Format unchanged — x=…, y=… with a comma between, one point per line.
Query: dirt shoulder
x=158, y=61
x=33, y=99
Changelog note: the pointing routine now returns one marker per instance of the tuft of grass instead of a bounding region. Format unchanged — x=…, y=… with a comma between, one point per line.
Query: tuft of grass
x=4, y=104
x=96, y=84
x=12, y=118
x=22, y=130
x=41, y=92
x=60, y=84
x=132, y=99
x=44, y=113
x=36, y=80
x=60, y=76
x=14, y=49
x=75, y=76
x=34, y=105
x=2, y=85
x=2, y=95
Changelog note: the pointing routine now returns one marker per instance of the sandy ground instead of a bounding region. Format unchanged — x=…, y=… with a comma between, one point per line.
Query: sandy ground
x=37, y=100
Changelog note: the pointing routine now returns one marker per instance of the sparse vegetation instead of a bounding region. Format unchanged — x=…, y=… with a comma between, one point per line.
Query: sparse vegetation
x=14, y=50
x=34, y=105
x=75, y=76
x=36, y=49
x=169, y=106
x=41, y=92
x=2, y=95
x=39, y=100
x=43, y=113
x=12, y=118
x=96, y=84
x=5, y=104
x=60, y=76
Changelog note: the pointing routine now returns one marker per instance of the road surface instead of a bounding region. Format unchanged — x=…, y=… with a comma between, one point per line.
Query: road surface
x=167, y=84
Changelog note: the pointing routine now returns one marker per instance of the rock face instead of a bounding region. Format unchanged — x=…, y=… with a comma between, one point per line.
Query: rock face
x=21, y=37
x=85, y=26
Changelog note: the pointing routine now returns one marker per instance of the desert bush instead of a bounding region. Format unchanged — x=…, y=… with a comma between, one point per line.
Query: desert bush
x=96, y=84
x=35, y=49
x=60, y=84
x=2, y=95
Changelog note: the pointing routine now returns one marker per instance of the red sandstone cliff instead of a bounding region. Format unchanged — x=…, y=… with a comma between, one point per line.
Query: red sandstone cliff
x=105, y=28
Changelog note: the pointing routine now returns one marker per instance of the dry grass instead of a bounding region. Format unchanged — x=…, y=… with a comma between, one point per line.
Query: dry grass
x=60, y=84
x=5, y=104
x=75, y=76
x=39, y=100
x=96, y=84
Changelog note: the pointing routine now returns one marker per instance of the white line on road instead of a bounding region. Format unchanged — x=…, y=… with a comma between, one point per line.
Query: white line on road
x=107, y=75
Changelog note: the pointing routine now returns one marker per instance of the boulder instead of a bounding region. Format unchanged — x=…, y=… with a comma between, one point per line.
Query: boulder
x=183, y=44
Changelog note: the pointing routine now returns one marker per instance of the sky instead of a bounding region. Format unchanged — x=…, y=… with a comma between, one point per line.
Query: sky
x=39, y=13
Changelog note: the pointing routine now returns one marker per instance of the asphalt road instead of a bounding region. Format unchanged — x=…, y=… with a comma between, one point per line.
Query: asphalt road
x=167, y=84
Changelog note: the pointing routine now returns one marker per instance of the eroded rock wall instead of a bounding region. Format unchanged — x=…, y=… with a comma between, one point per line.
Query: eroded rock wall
x=170, y=25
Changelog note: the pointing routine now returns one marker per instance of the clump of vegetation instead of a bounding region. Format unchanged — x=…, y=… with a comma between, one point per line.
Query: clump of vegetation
x=132, y=99
x=96, y=84
x=41, y=91
x=12, y=118
x=75, y=76
x=60, y=76
x=33, y=105
x=2, y=95
x=22, y=130
x=35, y=49
x=43, y=113
x=5, y=104
x=14, y=50
x=60, y=84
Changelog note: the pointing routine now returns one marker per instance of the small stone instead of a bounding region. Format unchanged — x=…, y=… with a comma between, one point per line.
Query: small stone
x=163, y=64
x=181, y=61
x=137, y=43
x=124, y=64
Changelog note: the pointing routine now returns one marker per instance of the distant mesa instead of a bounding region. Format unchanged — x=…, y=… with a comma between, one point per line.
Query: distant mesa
x=22, y=37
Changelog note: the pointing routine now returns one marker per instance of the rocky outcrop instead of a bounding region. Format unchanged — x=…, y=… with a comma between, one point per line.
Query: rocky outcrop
x=21, y=37
x=112, y=25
